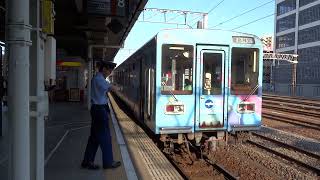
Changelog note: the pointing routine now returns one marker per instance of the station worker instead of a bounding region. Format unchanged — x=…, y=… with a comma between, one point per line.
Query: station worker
x=100, y=132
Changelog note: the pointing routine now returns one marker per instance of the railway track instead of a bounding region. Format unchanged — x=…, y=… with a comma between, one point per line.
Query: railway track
x=295, y=100
x=296, y=111
x=292, y=105
x=301, y=157
x=223, y=171
x=292, y=108
x=216, y=166
x=291, y=120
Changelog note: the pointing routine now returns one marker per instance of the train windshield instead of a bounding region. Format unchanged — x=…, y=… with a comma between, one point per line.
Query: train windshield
x=176, y=70
x=244, y=71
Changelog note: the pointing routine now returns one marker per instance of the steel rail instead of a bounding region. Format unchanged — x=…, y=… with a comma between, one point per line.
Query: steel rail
x=289, y=116
x=286, y=157
x=277, y=118
x=311, y=154
x=306, y=106
x=292, y=99
x=228, y=175
x=296, y=110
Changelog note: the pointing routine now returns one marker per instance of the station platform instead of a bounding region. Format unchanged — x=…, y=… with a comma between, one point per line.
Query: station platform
x=67, y=133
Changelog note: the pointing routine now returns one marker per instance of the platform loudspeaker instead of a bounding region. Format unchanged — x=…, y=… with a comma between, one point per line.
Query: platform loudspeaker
x=115, y=26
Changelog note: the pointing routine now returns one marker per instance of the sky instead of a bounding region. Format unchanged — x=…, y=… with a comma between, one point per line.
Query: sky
x=219, y=11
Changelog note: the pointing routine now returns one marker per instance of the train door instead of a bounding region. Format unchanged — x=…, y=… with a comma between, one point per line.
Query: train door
x=149, y=80
x=210, y=98
x=149, y=93
x=141, y=87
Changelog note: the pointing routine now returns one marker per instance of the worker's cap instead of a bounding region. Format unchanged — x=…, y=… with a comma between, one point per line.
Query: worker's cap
x=107, y=64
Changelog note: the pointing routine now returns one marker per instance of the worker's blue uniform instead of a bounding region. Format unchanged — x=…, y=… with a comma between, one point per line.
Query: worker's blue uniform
x=100, y=132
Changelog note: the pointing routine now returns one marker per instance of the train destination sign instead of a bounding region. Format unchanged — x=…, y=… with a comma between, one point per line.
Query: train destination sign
x=243, y=40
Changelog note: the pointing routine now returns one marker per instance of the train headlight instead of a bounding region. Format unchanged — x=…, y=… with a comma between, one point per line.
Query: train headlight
x=174, y=109
x=246, y=107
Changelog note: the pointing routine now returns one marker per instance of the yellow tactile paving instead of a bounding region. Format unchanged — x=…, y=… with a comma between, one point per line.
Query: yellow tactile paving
x=149, y=161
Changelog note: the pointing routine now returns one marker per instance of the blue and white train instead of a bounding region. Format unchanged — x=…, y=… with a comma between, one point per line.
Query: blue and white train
x=194, y=84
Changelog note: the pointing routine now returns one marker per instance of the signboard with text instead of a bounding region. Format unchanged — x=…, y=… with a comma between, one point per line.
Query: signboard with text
x=47, y=17
x=107, y=7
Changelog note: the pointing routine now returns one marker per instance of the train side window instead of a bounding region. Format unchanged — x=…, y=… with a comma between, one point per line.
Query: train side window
x=244, y=71
x=176, y=69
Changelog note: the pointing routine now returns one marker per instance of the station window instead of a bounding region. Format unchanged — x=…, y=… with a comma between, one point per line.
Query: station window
x=309, y=15
x=177, y=67
x=305, y=2
x=286, y=6
x=309, y=35
x=244, y=71
x=286, y=40
x=286, y=23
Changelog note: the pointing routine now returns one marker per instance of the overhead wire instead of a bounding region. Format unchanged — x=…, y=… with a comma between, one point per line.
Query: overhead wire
x=242, y=14
x=150, y=17
x=214, y=7
x=253, y=21
x=174, y=17
x=196, y=18
x=196, y=21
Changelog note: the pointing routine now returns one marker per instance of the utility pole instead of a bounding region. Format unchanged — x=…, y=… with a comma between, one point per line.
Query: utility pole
x=18, y=40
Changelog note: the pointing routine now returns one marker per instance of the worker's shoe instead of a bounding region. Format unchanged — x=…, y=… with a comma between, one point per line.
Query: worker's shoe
x=89, y=165
x=114, y=164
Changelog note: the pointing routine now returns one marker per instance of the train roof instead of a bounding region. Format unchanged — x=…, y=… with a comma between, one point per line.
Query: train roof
x=201, y=36
x=196, y=36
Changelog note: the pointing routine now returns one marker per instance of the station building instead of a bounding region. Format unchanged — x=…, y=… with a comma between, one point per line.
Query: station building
x=297, y=30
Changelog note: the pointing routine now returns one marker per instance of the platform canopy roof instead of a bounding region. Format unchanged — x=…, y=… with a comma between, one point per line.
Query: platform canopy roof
x=2, y=19
x=80, y=23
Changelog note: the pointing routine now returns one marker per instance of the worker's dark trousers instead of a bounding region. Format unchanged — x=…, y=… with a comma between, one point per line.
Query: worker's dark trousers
x=99, y=136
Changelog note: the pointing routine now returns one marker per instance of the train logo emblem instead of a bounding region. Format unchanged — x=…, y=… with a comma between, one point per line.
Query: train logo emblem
x=209, y=103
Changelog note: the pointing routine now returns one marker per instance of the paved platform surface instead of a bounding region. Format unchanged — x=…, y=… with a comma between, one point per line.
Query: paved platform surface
x=66, y=135
x=66, y=139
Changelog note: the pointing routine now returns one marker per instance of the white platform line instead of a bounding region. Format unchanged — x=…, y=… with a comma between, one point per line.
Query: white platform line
x=128, y=166
x=55, y=148
x=65, y=124
x=82, y=127
x=59, y=143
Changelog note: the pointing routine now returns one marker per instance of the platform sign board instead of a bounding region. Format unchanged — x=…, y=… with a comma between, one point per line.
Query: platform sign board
x=47, y=17
x=133, y=5
x=108, y=7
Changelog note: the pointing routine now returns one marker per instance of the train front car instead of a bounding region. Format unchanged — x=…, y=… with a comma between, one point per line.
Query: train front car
x=208, y=82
